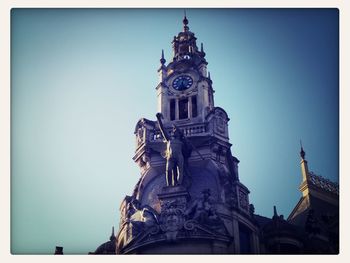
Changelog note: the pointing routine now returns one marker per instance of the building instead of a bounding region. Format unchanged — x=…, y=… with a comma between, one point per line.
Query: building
x=189, y=199
x=313, y=225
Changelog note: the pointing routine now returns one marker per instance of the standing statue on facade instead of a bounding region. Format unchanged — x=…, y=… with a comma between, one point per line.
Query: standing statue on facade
x=176, y=154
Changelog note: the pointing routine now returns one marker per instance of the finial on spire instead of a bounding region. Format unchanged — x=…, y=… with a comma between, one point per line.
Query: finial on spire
x=185, y=22
x=302, y=153
x=202, y=51
x=275, y=211
x=112, y=235
x=162, y=60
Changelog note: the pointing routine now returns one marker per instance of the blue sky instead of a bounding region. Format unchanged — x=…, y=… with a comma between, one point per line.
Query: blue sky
x=82, y=78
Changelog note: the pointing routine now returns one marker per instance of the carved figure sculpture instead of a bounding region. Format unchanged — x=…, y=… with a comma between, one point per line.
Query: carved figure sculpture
x=139, y=135
x=139, y=218
x=202, y=210
x=136, y=220
x=175, y=147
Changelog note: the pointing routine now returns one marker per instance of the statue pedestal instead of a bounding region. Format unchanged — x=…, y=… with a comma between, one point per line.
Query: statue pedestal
x=173, y=201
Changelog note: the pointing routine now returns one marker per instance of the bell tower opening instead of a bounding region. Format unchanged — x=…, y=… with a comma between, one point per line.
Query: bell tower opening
x=172, y=109
x=183, y=109
x=194, y=106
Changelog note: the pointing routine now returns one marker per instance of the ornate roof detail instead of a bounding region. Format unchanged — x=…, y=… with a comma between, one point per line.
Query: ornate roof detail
x=324, y=183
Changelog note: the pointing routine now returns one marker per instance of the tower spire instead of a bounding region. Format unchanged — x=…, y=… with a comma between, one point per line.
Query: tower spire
x=304, y=171
x=185, y=22
x=162, y=68
x=275, y=211
x=112, y=235
x=162, y=59
x=302, y=152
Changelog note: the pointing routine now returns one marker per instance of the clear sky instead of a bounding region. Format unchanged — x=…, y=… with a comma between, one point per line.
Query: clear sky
x=82, y=78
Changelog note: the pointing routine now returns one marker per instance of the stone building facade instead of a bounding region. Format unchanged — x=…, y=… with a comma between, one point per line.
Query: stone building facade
x=189, y=199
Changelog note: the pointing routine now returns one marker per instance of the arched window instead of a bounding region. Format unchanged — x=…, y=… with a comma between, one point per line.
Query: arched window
x=194, y=106
x=172, y=109
x=183, y=108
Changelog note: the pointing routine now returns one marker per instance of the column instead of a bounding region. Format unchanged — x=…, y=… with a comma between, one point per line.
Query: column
x=189, y=109
x=176, y=109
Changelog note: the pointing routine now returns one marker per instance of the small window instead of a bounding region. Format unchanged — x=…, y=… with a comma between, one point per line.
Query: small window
x=172, y=109
x=194, y=106
x=183, y=109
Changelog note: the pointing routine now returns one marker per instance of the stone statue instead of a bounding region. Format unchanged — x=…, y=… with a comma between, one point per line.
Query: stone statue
x=203, y=211
x=149, y=217
x=139, y=218
x=136, y=221
x=139, y=135
x=176, y=152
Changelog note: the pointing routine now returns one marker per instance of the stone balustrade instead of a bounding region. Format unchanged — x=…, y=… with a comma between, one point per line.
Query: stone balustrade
x=188, y=131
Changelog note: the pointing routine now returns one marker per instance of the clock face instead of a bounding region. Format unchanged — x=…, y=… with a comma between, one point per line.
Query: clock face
x=182, y=82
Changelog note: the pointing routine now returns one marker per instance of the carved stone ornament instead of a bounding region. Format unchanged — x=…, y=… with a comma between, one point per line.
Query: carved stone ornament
x=243, y=200
x=220, y=123
x=140, y=135
x=203, y=211
x=172, y=219
x=232, y=201
x=138, y=219
x=173, y=202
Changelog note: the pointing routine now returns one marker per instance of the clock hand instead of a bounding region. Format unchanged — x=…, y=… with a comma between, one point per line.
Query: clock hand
x=181, y=83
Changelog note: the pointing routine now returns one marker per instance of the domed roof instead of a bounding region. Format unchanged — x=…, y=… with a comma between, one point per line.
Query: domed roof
x=108, y=247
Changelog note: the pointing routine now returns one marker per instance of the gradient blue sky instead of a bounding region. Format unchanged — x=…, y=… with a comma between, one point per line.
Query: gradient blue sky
x=81, y=79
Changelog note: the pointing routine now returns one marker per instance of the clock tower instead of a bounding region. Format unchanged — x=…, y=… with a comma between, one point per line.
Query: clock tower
x=188, y=199
x=185, y=92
